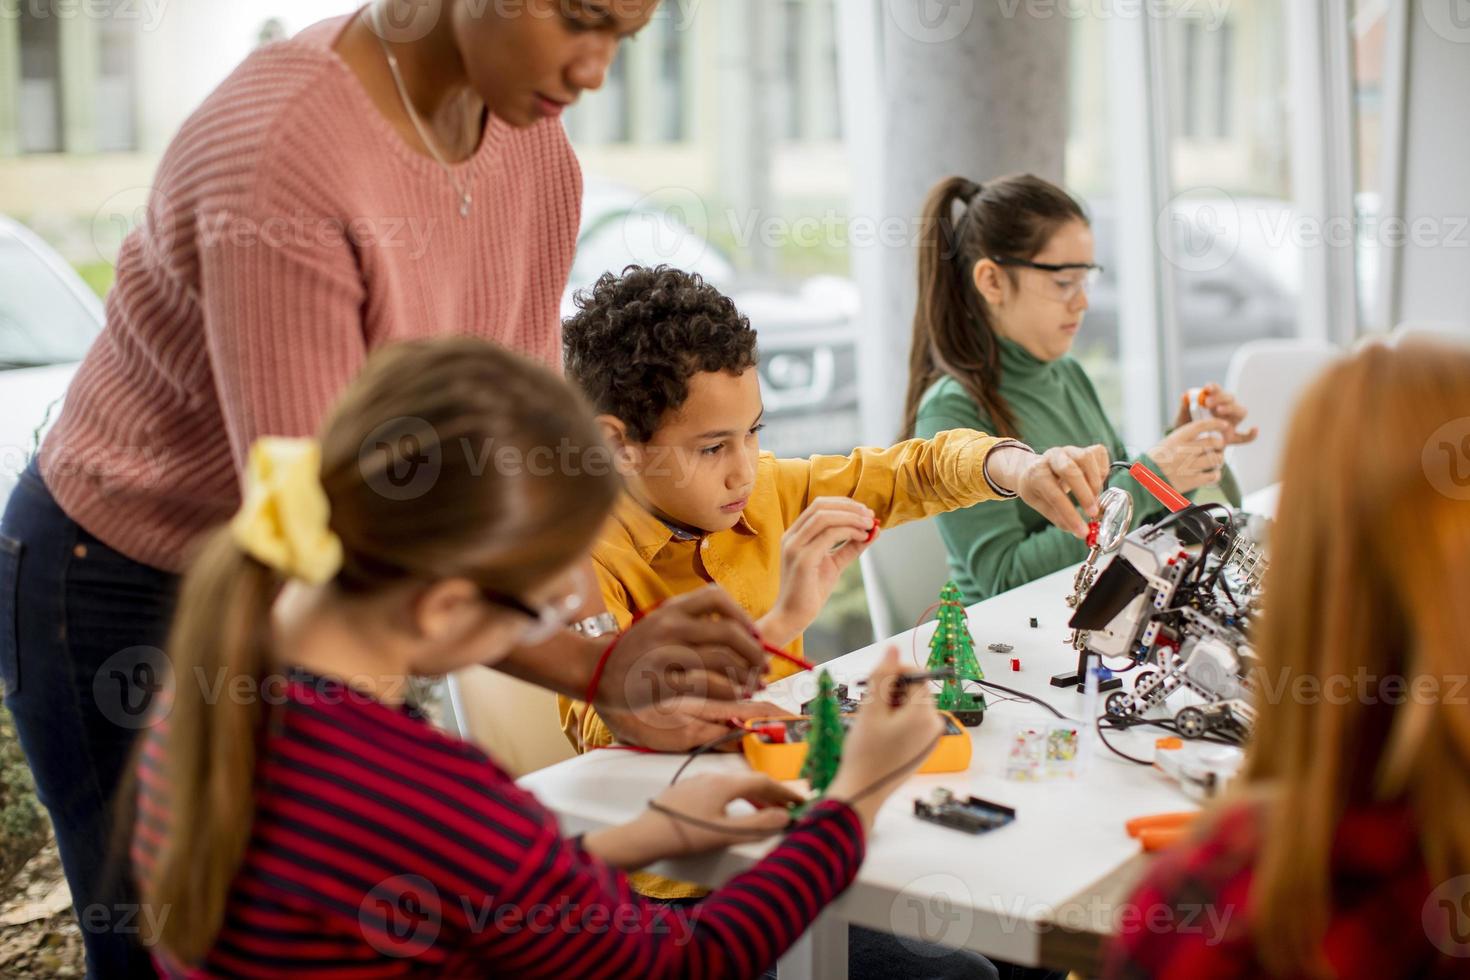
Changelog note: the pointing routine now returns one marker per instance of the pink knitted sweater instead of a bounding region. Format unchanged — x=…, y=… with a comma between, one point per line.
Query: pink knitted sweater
x=290, y=231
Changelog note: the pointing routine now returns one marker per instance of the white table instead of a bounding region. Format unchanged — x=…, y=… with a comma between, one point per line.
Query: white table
x=1012, y=893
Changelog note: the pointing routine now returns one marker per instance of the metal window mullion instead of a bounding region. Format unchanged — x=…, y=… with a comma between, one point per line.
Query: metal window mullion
x=1148, y=325
x=1393, y=136
x=1161, y=141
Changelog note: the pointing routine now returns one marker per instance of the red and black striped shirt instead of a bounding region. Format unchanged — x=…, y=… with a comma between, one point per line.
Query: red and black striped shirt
x=1191, y=917
x=384, y=848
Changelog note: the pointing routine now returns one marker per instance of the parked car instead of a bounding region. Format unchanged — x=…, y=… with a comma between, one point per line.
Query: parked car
x=1249, y=293
x=48, y=319
x=808, y=330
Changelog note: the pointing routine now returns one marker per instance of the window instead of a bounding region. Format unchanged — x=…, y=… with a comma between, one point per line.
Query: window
x=117, y=95
x=672, y=94
x=1369, y=29
x=1089, y=178
x=39, y=104
x=1228, y=233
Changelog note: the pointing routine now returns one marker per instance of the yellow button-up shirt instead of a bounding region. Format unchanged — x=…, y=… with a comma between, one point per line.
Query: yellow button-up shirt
x=640, y=561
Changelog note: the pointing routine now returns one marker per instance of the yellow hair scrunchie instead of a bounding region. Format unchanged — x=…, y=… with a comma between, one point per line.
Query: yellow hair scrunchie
x=284, y=513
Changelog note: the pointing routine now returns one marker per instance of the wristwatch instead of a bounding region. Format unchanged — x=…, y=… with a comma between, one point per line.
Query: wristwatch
x=602, y=624
x=985, y=468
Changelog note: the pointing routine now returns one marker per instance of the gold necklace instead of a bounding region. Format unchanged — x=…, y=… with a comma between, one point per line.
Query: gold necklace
x=464, y=194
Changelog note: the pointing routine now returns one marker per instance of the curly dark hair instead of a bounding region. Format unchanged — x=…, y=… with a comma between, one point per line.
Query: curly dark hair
x=638, y=338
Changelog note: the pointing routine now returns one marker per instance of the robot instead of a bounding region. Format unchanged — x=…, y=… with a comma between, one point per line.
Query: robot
x=1181, y=619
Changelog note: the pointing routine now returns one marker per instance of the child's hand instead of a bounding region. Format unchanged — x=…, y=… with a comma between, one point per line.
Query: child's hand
x=1054, y=483
x=826, y=538
x=705, y=798
x=1191, y=456
x=887, y=739
x=689, y=818
x=1222, y=405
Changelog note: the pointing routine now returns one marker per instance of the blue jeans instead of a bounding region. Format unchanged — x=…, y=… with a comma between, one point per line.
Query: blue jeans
x=82, y=629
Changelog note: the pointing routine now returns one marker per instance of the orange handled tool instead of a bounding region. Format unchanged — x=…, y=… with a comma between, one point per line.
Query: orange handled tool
x=1156, y=485
x=1161, y=830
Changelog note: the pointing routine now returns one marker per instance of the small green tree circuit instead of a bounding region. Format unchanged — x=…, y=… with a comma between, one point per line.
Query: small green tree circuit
x=952, y=646
x=824, y=740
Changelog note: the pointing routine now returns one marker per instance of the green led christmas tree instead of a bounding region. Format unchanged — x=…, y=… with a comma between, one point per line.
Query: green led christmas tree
x=824, y=740
x=952, y=646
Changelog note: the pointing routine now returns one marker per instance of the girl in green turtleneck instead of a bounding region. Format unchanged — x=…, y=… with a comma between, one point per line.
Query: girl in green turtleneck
x=1003, y=276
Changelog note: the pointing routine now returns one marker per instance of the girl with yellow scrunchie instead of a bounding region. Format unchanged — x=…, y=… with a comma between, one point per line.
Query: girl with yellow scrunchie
x=294, y=806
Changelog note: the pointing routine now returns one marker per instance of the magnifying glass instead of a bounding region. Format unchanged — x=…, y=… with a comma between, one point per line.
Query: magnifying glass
x=1115, y=519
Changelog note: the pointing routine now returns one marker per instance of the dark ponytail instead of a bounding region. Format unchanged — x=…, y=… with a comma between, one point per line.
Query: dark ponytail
x=1013, y=216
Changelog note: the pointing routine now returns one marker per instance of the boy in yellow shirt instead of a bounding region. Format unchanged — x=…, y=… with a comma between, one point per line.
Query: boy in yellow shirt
x=668, y=363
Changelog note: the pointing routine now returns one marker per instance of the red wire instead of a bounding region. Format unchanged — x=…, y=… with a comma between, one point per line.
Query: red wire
x=914, y=638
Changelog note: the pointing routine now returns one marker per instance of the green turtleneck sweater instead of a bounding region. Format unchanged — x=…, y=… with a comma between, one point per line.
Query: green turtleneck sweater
x=999, y=545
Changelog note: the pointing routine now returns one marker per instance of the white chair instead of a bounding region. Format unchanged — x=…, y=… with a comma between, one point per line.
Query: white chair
x=903, y=573
x=514, y=722
x=1268, y=376
x=1438, y=330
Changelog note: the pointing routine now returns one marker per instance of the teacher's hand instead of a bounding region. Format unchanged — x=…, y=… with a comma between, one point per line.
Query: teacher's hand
x=699, y=644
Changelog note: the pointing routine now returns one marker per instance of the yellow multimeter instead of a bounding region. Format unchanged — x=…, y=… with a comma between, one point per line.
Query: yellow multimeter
x=777, y=746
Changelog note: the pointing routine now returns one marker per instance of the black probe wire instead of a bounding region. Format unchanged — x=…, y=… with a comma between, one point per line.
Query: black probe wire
x=867, y=790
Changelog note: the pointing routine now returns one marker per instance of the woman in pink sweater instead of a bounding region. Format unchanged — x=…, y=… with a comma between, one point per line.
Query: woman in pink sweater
x=395, y=174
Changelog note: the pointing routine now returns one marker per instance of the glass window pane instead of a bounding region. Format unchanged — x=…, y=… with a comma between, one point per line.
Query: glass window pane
x=1369, y=27
x=1237, y=274
x=39, y=103
x=1089, y=177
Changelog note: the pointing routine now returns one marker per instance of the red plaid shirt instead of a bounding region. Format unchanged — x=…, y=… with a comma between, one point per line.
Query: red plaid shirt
x=1191, y=916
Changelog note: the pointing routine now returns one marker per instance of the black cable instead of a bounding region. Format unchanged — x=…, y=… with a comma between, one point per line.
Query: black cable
x=706, y=747
x=709, y=825
x=1021, y=694
x=872, y=787
x=1113, y=749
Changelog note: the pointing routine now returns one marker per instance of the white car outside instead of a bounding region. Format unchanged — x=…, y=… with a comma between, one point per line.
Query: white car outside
x=48, y=319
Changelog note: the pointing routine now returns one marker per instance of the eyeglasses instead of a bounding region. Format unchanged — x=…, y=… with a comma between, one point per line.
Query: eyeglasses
x=549, y=619
x=1062, y=290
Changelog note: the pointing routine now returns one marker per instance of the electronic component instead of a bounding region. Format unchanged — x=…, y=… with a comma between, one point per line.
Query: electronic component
x=845, y=704
x=971, y=814
x=778, y=746
x=1000, y=648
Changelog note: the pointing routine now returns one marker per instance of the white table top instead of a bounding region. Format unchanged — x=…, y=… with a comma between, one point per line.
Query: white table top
x=997, y=893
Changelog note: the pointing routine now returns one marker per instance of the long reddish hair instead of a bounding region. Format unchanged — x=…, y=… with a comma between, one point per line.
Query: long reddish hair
x=1370, y=572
